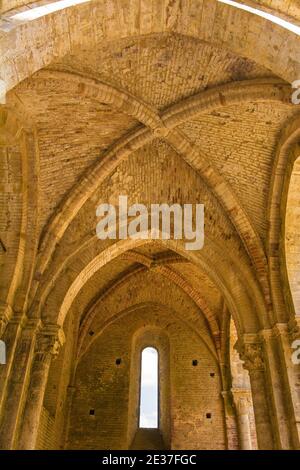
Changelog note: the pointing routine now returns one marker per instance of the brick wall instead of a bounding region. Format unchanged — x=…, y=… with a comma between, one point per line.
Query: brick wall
x=46, y=435
x=103, y=387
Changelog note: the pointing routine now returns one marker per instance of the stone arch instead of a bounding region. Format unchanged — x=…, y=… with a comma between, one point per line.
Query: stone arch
x=292, y=234
x=270, y=89
x=119, y=99
x=122, y=246
x=135, y=307
x=20, y=159
x=257, y=89
x=76, y=251
x=287, y=152
x=109, y=24
x=167, y=272
x=191, y=318
x=234, y=267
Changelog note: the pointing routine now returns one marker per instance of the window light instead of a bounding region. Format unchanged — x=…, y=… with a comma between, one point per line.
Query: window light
x=149, y=389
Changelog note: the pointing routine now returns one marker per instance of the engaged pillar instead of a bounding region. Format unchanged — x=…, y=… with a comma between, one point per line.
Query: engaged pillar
x=242, y=403
x=252, y=355
x=47, y=345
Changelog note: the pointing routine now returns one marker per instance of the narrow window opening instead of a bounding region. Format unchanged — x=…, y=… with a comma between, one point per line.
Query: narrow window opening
x=195, y=362
x=118, y=361
x=149, y=389
x=92, y=412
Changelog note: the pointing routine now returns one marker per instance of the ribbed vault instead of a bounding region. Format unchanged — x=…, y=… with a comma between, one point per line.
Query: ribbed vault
x=164, y=101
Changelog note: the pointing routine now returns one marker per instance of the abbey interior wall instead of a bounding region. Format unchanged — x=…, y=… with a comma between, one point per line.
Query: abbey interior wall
x=182, y=101
x=103, y=386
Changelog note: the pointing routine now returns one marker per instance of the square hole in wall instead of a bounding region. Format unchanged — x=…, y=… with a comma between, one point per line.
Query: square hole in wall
x=92, y=412
x=118, y=361
x=208, y=415
x=212, y=374
x=194, y=362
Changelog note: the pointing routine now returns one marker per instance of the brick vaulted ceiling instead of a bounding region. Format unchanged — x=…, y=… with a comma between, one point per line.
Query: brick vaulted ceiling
x=147, y=101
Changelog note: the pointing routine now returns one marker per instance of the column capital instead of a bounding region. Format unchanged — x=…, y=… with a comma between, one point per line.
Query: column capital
x=294, y=328
x=280, y=329
x=49, y=340
x=29, y=325
x=242, y=400
x=251, y=353
x=6, y=312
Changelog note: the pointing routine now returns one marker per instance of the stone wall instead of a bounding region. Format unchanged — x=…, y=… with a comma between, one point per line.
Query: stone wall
x=102, y=387
x=166, y=101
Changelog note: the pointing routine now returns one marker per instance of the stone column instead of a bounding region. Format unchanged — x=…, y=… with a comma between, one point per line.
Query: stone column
x=4, y=369
x=242, y=403
x=48, y=342
x=14, y=377
x=3, y=324
x=9, y=334
x=286, y=334
x=251, y=352
x=230, y=421
x=278, y=390
x=69, y=401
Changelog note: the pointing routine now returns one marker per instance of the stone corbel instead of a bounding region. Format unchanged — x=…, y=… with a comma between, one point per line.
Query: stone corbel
x=250, y=350
x=294, y=328
x=49, y=340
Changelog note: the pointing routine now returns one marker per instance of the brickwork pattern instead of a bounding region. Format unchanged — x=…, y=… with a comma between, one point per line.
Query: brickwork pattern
x=179, y=101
